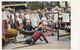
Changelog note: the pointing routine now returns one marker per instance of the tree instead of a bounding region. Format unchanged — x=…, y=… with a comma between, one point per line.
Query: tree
x=56, y=4
x=34, y=5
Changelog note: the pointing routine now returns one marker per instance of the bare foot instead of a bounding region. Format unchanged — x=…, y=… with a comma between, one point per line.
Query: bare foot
x=23, y=42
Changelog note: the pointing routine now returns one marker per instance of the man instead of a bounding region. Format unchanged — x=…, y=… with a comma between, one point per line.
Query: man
x=32, y=39
x=17, y=14
x=4, y=18
x=24, y=22
x=11, y=21
x=20, y=22
x=40, y=14
x=9, y=26
x=35, y=19
x=22, y=14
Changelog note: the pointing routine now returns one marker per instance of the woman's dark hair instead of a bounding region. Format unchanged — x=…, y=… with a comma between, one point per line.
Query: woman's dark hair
x=40, y=29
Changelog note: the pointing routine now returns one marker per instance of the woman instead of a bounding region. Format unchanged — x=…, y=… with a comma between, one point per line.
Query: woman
x=48, y=20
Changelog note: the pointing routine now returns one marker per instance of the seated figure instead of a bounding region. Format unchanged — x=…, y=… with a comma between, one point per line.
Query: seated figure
x=28, y=27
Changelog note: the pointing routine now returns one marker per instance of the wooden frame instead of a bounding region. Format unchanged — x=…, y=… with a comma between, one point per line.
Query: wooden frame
x=58, y=36
x=60, y=28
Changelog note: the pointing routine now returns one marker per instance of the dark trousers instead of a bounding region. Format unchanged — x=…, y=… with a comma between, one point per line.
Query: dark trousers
x=28, y=40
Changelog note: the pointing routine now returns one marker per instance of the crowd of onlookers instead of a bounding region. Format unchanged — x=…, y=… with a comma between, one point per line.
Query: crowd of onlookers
x=28, y=19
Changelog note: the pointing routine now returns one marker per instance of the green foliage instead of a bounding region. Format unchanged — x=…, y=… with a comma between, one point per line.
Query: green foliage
x=34, y=5
x=56, y=4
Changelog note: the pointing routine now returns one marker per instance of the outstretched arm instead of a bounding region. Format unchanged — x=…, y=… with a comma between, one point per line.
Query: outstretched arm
x=44, y=38
x=41, y=39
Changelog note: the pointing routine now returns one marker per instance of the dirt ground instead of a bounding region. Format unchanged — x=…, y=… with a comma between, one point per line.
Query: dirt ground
x=63, y=43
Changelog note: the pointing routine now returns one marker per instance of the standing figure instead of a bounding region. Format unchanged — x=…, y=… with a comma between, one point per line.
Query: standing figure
x=9, y=26
x=4, y=18
x=44, y=21
x=15, y=22
x=27, y=16
x=52, y=19
x=17, y=14
x=24, y=22
x=20, y=22
x=11, y=21
x=35, y=19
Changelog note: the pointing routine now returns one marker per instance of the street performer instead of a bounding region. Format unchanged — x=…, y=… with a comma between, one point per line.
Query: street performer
x=32, y=39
